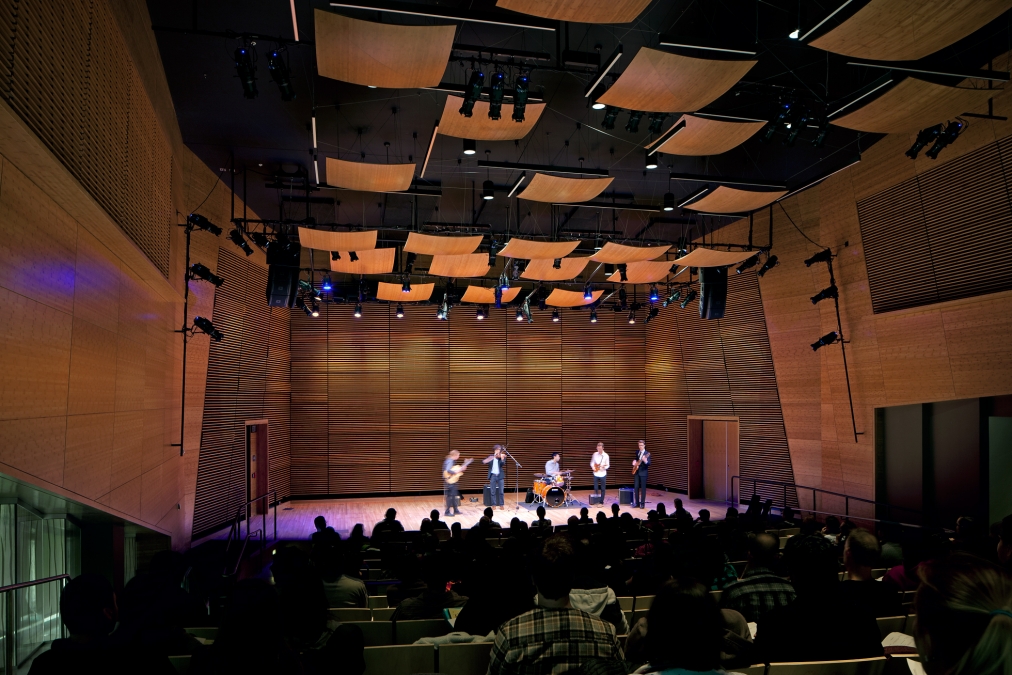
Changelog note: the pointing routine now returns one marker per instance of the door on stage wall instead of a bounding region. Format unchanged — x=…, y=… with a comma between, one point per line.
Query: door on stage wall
x=713, y=457
x=256, y=463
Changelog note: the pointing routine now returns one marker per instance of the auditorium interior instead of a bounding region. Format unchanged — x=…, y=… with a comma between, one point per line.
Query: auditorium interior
x=268, y=260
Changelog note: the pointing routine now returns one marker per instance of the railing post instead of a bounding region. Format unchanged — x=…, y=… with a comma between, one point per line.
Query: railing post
x=785, y=499
x=846, y=505
x=10, y=636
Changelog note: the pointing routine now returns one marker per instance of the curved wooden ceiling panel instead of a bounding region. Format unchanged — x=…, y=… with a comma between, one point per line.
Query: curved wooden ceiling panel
x=643, y=272
x=559, y=190
x=658, y=81
x=369, y=177
x=907, y=30
x=480, y=295
x=614, y=254
x=430, y=244
x=708, y=257
x=913, y=105
x=705, y=136
x=395, y=292
x=732, y=200
x=580, y=11
x=542, y=269
x=459, y=266
x=527, y=249
x=324, y=240
x=376, y=261
x=479, y=127
x=381, y=54
x=561, y=298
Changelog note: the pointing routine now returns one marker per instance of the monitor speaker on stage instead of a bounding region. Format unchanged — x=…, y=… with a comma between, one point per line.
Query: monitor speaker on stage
x=712, y=292
x=596, y=498
x=282, y=272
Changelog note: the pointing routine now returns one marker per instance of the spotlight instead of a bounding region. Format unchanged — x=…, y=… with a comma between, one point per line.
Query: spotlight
x=472, y=93
x=831, y=292
x=335, y=255
x=488, y=190
x=820, y=138
x=199, y=271
x=326, y=285
x=783, y=116
x=200, y=222
x=952, y=131
x=654, y=295
x=689, y=297
x=632, y=316
x=597, y=105
x=470, y=146
x=246, y=70
x=207, y=327
x=439, y=313
x=308, y=289
x=406, y=286
x=495, y=98
x=651, y=161
x=358, y=311
x=795, y=128
x=400, y=311
x=352, y=256
x=444, y=310
x=281, y=74
x=525, y=311
x=794, y=34
x=504, y=282
x=555, y=316
x=825, y=255
x=669, y=201
x=541, y=304
x=316, y=310
x=652, y=314
x=480, y=314
x=588, y=292
x=491, y=255
x=633, y=125
x=236, y=236
x=748, y=263
x=593, y=316
x=520, y=314
x=622, y=269
x=827, y=339
x=409, y=264
x=521, y=88
x=301, y=304
x=557, y=264
x=610, y=115
x=672, y=299
x=924, y=137
x=770, y=263
x=656, y=122
x=260, y=239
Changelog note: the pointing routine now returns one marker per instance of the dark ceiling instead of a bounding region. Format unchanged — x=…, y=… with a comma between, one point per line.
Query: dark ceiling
x=267, y=134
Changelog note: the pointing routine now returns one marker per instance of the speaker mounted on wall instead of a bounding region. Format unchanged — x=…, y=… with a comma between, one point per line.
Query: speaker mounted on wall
x=282, y=272
x=712, y=292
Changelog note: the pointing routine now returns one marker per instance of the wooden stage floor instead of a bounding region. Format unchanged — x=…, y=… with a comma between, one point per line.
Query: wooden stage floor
x=295, y=518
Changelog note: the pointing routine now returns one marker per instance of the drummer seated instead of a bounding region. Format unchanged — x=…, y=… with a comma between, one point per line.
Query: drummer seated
x=541, y=522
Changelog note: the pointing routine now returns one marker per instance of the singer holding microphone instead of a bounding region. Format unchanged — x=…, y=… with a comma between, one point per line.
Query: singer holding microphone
x=497, y=476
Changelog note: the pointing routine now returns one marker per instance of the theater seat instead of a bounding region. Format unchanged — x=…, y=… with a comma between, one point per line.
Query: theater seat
x=400, y=660
x=407, y=632
x=180, y=663
x=757, y=669
x=375, y=633
x=350, y=613
x=383, y=613
x=464, y=659
x=643, y=602
x=377, y=601
x=890, y=624
x=203, y=633
x=625, y=603
x=875, y=666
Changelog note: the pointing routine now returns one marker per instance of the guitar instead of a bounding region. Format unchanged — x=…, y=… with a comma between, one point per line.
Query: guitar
x=455, y=472
x=637, y=462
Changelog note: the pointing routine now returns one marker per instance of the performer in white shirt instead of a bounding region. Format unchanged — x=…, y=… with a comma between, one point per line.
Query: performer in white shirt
x=600, y=463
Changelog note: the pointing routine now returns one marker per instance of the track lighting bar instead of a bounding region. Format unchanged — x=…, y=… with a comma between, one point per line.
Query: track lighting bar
x=723, y=180
x=612, y=60
x=666, y=136
x=544, y=168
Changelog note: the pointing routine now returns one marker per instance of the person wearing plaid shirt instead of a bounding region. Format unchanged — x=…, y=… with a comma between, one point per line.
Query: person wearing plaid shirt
x=554, y=637
x=760, y=590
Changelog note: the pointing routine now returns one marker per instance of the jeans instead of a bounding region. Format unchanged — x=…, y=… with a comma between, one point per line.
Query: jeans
x=498, y=484
x=640, y=489
x=599, y=485
x=451, y=496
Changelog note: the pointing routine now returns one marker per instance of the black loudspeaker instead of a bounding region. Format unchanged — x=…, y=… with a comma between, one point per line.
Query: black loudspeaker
x=625, y=495
x=596, y=499
x=282, y=272
x=487, y=495
x=712, y=292
x=529, y=499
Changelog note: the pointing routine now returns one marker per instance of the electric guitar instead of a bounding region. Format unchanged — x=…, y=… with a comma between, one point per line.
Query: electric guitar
x=637, y=462
x=456, y=471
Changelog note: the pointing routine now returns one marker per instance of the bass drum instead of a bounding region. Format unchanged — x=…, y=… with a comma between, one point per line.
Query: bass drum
x=555, y=496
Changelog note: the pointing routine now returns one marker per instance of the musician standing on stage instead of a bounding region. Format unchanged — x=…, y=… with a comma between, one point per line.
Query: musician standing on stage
x=552, y=466
x=600, y=463
x=497, y=476
x=450, y=493
x=640, y=469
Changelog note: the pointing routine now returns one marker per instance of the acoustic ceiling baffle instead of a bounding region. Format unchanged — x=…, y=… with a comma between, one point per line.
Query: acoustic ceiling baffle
x=479, y=127
x=911, y=105
x=703, y=136
x=430, y=244
x=326, y=240
x=366, y=177
x=459, y=266
x=375, y=261
x=556, y=189
x=528, y=249
x=480, y=295
x=579, y=11
x=723, y=200
x=708, y=257
x=395, y=292
x=543, y=269
x=614, y=254
x=643, y=272
x=562, y=298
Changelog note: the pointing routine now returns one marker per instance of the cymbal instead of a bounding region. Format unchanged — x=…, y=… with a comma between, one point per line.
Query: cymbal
x=539, y=475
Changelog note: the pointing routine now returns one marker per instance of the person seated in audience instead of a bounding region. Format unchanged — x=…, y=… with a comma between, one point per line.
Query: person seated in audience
x=918, y=546
x=431, y=602
x=389, y=525
x=341, y=584
x=831, y=530
x=488, y=514
x=573, y=522
x=1005, y=543
x=891, y=553
x=493, y=599
x=356, y=541
x=153, y=611
x=615, y=511
x=585, y=516
x=819, y=624
x=88, y=610
x=703, y=521
x=324, y=533
x=809, y=525
x=683, y=518
x=541, y=522
x=662, y=510
x=964, y=616
x=787, y=518
x=601, y=519
x=685, y=630
x=437, y=524
x=860, y=555
x=760, y=591
x=590, y=591
x=554, y=637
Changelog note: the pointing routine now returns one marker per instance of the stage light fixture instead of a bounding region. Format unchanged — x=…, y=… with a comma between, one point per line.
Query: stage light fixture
x=352, y=256
x=260, y=239
x=520, y=314
x=593, y=316
x=622, y=269
x=301, y=304
x=610, y=115
x=199, y=271
x=623, y=298
x=207, y=327
x=924, y=137
x=555, y=316
x=830, y=292
x=669, y=201
x=315, y=310
x=326, y=285
x=748, y=264
x=400, y=311
x=633, y=124
x=588, y=292
x=597, y=105
x=650, y=161
x=498, y=88
x=657, y=122
x=784, y=115
x=406, y=286
x=795, y=126
x=672, y=299
x=491, y=255
x=409, y=264
x=526, y=311
x=652, y=314
x=820, y=138
x=281, y=74
x=480, y=314
x=952, y=131
x=827, y=339
x=335, y=255
x=542, y=305
x=358, y=311
x=246, y=69
x=825, y=255
x=689, y=297
x=472, y=92
x=521, y=89
x=557, y=264
x=445, y=309
x=202, y=223
x=504, y=281
x=794, y=34
x=308, y=288
x=470, y=146
x=770, y=263
x=632, y=316
x=236, y=236
x=654, y=295
x=498, y=297
x=488, y=190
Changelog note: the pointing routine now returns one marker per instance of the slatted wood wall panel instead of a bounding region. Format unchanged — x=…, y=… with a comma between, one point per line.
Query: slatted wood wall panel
x=67, y=73
x=247, y=379
x=667, y=397
x=914, y=231
x=310, y=407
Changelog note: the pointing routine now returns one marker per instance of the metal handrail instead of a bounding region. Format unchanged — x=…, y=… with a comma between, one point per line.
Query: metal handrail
x=235, y=531
x=10, y=633
x=26, y=584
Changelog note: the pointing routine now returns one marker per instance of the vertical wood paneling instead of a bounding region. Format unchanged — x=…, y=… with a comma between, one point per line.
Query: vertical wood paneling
x=589, y=372
x=667, y=399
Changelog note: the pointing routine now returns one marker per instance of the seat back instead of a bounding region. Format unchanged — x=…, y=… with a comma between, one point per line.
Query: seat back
x=643, y=602
x=203, y=633
x=180, y=663
x=383, y=613
x=400, y=660
x=626, y=603
x=407, y=632
x=890, y=624
x=375, y=633
x=756, y=669
x=783, y=542
x=470, y=658
x=350, y=613
x=716, y=596
x=376, y=601
x=875, y=666
x=878, y=572
x=790, y=531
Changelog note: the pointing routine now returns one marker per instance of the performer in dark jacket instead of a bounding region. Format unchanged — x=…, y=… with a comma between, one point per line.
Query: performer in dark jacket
x=497, y=476
x=640, y=469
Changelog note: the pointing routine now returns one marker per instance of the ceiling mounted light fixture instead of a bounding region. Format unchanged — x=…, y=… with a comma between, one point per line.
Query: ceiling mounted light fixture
x=358, y=311
x=498, y=90
x=521, y=89
x=827, y=339
x=610, y=115
x=472, y=92
x=470, y=146
x=400, y=311
x=770, y=263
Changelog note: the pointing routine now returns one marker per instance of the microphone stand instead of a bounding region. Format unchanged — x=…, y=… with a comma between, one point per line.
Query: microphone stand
x=516, y=475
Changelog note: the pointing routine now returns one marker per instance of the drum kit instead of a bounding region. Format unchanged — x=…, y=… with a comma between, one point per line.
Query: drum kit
x=553, y=490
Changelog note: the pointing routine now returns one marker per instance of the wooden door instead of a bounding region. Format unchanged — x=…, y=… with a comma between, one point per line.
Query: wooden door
x=715, y=477
x=256, y=463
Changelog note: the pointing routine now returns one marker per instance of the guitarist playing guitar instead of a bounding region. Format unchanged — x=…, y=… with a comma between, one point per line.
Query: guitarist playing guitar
x=451, y=474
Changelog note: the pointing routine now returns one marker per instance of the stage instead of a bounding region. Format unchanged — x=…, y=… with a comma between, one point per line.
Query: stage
x=295, y=518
